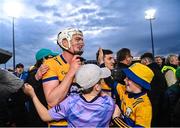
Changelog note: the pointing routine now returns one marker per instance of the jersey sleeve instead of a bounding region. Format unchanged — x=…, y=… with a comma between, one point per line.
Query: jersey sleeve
x=51, y=74
x=59, y=111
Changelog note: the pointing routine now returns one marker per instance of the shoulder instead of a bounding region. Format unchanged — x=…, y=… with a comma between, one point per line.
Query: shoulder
x=50, y=61
x=107, y=100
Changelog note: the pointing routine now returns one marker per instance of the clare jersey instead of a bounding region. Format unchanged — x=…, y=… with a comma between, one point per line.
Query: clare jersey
x=81, y=113
x=58, y=68
x=136, y=109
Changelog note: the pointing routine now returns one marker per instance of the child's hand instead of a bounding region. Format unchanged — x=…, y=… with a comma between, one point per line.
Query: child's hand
x=29, y=90
x=117, y=112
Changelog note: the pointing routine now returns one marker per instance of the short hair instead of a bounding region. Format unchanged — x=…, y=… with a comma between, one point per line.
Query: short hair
x=105, y=52
x=122, y=53
x=20, y=65
x=147, y=55
x=87, y=91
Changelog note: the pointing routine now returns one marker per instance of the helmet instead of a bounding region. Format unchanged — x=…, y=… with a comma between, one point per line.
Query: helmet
x=67, y=34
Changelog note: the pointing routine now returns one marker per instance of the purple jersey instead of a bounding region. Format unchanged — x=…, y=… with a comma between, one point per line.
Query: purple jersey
x=80, y=113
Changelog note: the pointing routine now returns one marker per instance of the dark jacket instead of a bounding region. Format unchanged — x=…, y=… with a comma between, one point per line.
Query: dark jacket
x=158, y=88
x=176, y=115
x=171, y=98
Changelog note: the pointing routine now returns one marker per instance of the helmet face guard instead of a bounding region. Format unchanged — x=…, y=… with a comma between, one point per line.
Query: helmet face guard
x=67, y=34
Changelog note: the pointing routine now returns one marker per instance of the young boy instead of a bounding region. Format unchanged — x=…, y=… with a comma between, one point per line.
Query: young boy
x=90, y=108
x=136, y=110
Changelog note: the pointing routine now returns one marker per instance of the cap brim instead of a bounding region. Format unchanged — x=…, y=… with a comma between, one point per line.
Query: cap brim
x=54, y=54
x=136, y=79
x=105, y=72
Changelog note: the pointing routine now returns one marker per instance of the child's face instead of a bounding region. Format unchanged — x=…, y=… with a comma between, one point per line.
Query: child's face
x=130, y=85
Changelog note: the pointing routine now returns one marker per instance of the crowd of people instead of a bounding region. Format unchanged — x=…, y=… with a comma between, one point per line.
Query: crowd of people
x=63, y=90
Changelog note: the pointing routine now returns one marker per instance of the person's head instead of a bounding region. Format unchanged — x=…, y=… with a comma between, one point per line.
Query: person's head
x=172, y=60
x=178, y=74
x=43, y=54
x=147, y=58
x=89, y=77
x=138, y=78
x=108, y=58
x=159, y=60
x=124, y=56
x=71, y=40
x=19, y=68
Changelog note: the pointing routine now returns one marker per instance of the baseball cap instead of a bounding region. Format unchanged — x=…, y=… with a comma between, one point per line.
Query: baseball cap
x=140, y=74
x=43, y=53
x=89, y=74
x=178, y=72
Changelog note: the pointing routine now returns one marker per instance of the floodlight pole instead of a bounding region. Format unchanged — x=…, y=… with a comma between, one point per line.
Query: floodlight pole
x=152, y=39
x=13, y=39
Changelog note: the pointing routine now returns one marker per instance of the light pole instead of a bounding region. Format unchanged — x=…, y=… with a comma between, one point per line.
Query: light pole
x=150, y=15
x=14, y=53
x=13, y=9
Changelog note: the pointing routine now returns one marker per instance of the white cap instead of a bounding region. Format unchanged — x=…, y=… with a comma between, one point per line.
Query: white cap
x=89, y=74
x=67, y=34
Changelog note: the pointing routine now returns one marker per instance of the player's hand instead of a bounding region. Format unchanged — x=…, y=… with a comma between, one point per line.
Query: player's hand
x=41, y=71
x=74, y=64
x=28, y=90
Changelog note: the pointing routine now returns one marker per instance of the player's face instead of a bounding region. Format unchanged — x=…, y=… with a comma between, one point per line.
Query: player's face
x=77, y=43
x=109, y=61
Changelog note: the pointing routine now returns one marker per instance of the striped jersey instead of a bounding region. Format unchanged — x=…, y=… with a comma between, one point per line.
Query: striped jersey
x=81, y=113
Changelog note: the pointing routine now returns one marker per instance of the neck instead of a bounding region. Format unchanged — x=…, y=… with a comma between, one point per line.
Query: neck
x=67, y=56
x=90, y=96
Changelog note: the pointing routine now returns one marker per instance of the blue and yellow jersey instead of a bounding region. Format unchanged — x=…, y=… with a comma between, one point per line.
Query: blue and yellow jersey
x=136, y=109
x=58, y=68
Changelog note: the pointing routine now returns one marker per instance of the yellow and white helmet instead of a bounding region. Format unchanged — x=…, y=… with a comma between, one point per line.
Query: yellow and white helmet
x=67, y=34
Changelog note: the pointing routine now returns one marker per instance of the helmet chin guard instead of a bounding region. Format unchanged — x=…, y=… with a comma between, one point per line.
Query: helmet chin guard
x=67, y=34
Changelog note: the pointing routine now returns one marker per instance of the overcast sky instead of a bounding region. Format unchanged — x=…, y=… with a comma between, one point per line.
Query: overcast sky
x=110, y=24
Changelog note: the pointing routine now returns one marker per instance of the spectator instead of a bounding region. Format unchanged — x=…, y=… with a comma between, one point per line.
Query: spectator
x=89, y=109
x=34, y=78
x=170, y=68
x=105, y=58
x=19, y=72
x=176, y=115
x=124, y=60
x=158, y=87
x=9, y=84
x=179, y=59
x=58, y=80
x=159, y=61
x=135, y=105
x=171, y=98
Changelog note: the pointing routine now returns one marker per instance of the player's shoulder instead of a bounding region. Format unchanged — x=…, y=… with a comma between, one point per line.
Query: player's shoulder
x=51, y=61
